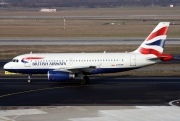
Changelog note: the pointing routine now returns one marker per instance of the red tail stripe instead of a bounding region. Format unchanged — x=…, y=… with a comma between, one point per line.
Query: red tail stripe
x=163, y=57
x=149, y=51
x=162, y=31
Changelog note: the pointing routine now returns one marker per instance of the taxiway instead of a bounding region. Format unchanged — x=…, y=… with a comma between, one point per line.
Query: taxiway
x=122, y=91
x=79, y=41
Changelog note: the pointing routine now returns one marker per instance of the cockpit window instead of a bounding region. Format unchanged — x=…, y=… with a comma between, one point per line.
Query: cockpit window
x=14, y=60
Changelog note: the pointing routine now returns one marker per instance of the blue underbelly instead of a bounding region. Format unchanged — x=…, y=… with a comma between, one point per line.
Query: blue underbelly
x=45, y=71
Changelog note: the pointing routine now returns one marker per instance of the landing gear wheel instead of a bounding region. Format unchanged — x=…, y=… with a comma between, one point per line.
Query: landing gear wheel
x=85, y=80
x=29, y=78
x=29, y=81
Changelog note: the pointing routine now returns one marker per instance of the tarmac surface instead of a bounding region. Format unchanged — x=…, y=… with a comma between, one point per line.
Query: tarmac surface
x=101, y=91
x=79, y=41
x=90, y=17
x=93, y=113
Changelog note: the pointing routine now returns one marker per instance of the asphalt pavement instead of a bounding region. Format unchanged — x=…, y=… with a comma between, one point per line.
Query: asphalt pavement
x=89, y=17
x=79, y=41
x=102, y=91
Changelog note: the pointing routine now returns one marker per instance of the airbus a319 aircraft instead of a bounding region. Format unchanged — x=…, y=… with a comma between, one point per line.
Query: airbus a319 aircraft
x=66, y=66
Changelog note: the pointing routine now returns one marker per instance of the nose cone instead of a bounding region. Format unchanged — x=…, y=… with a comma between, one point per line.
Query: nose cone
x=7, y=66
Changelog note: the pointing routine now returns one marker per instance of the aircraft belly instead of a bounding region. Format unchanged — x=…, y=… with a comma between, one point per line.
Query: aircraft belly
x=110, y=70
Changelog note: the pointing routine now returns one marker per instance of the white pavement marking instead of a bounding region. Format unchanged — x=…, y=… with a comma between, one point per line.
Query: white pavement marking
x=18, y=113
x=171, y=103
x=5, y=119
x=141, y=113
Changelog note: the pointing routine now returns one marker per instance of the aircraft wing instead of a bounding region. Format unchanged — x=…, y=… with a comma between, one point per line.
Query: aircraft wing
x=81, y=67
x=77, y=69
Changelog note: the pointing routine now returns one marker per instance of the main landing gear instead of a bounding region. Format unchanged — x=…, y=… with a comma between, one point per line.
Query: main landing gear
x=85, y=80
x=29, y=78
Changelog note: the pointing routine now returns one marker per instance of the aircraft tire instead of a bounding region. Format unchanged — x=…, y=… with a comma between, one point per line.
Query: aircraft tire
x=85, y=80
x=29, y=81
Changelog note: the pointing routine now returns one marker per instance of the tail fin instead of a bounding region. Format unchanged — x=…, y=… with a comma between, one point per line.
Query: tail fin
x=155, y=42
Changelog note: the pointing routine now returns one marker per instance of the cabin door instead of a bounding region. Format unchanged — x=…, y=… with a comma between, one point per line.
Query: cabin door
x=27, y=62
x=133, y=60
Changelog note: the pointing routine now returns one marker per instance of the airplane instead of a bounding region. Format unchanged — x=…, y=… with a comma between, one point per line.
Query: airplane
x=66, y=66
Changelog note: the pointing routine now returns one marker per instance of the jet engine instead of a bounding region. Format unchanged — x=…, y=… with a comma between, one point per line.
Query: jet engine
x=60, y=76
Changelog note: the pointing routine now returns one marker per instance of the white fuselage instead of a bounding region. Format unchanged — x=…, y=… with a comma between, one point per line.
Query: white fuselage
x=90, y=63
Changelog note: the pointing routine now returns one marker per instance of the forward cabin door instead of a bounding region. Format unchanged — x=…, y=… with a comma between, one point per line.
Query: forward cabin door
x=133, y=60
x=27, y=62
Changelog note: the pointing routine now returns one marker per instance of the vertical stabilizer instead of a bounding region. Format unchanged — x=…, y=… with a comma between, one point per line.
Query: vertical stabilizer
x=155, y=42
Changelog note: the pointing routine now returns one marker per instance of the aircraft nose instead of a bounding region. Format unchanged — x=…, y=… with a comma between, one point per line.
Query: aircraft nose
x=7, y=66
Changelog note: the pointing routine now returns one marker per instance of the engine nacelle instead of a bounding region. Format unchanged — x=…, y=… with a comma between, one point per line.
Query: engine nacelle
x=60, y=76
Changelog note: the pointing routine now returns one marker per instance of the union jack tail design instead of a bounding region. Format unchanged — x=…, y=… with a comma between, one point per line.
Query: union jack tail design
x=154, y=43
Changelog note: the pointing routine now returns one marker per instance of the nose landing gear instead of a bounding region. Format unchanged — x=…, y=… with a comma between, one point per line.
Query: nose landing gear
x=29, y=78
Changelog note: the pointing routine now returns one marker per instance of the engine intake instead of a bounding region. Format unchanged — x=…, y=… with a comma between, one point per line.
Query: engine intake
x=60, y=76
